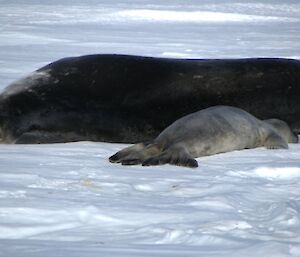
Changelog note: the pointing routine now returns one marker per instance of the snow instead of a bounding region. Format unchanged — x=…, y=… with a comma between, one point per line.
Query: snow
x=55, y=198
x=68, y=200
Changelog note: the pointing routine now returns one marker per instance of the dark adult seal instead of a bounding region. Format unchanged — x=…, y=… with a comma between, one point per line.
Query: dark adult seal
x=118, y=98
x=210, y=131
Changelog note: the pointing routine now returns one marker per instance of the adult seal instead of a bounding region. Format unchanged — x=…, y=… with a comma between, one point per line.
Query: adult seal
x=119, y=98
x=210, y=131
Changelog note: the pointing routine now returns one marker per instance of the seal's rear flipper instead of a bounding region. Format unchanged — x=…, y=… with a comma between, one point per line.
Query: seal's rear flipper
x=175, y=156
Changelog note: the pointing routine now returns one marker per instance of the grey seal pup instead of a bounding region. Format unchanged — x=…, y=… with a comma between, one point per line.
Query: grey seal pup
x=217, y=129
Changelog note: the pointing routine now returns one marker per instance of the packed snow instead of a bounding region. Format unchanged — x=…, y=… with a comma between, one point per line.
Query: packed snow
x=68, y=200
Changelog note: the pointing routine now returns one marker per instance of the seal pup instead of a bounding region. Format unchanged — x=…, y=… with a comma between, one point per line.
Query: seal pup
x=210, y=131
x=129, y=99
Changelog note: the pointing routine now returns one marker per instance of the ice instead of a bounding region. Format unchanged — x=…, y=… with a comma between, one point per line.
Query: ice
x=68, y=200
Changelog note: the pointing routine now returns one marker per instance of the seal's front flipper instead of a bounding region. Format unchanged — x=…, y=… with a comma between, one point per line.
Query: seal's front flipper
x=174, y=156
x=275, y=141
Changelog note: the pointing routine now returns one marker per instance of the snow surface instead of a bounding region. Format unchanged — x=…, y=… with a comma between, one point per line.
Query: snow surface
x=68, y=200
